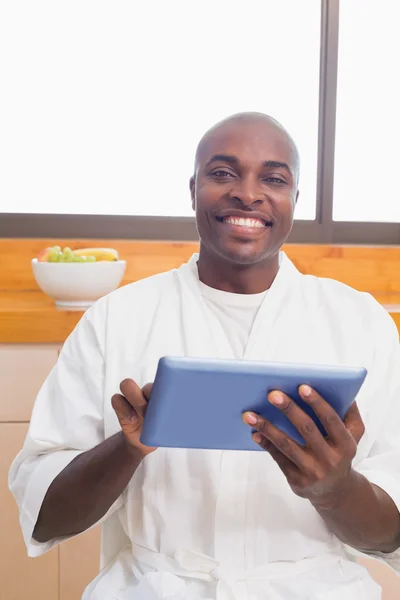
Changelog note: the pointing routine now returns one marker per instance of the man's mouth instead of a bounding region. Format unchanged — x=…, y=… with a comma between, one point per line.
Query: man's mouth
x=249, y=222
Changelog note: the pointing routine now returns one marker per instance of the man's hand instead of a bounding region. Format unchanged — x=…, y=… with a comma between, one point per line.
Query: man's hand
x=321, y=470
x=358, y=512
x=90, y=484
x=130, y=406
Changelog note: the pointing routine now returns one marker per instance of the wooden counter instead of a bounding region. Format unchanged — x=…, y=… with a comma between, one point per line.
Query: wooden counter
x=28, y=316
x=31, y=317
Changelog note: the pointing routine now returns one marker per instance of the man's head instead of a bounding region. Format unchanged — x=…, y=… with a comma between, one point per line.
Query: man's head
x=244, y=189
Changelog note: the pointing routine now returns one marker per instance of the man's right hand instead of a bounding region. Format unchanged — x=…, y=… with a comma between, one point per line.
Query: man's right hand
x=130, y=406
x=90, y=484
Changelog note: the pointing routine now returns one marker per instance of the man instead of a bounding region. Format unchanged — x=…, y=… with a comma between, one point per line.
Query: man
x=181, y=525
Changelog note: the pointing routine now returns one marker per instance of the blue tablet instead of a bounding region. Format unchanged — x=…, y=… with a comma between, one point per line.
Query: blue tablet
x=198, y=403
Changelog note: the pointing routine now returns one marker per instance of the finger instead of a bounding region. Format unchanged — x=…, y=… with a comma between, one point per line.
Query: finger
x=134, y=396
x=333, y=424
x=354, y=423
x=303, y=423
x=285, y=465
x=146, y=390
x=280, y=440
x=124, y=410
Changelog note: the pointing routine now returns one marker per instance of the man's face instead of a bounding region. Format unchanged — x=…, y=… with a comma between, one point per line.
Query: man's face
x=244, y=191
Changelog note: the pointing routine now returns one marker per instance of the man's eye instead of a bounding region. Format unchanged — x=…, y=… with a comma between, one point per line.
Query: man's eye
x=221, y=173
x=274, y=180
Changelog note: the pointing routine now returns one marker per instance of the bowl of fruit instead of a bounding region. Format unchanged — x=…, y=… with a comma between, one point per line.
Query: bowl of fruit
x=77, y=278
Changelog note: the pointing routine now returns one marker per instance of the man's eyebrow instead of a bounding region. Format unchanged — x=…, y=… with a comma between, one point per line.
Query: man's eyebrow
x=276, y=164
x=232, y=160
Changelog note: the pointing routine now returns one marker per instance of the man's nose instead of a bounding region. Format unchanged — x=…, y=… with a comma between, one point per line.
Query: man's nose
x=247, y=191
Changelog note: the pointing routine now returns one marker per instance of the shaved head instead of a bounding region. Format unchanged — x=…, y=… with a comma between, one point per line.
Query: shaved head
x=248, y=120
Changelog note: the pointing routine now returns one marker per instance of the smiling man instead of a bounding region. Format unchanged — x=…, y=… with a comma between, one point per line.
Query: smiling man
x=190, y=525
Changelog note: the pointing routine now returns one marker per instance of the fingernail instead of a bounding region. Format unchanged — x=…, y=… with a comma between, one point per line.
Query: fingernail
x=250, y=418
x=257, y=437
x=306, y=391
x=276, y=398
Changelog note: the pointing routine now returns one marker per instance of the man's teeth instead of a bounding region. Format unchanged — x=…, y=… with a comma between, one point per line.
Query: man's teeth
x=244, y=222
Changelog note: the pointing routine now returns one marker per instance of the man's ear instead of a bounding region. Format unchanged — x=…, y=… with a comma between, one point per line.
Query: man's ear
x=192, y=185
x=297, y=197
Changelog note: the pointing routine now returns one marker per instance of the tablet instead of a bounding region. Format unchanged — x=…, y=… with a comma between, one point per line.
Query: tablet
x=198, y=403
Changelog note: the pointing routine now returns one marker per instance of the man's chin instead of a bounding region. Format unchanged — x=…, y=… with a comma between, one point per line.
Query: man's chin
x=243, y=255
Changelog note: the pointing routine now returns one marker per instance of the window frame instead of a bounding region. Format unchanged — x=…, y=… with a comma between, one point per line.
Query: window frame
x=321, y=230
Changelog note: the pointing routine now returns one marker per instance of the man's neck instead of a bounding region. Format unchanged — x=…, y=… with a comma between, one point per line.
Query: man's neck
x=238, y=279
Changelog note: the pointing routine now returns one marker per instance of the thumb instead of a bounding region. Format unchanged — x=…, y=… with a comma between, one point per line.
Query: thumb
x=124, y=411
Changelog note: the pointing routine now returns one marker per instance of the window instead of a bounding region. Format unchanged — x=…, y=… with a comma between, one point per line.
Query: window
x=105, y=102
x=366, y=184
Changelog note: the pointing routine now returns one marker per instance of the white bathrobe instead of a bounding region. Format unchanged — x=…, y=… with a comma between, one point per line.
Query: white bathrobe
x=220, y=525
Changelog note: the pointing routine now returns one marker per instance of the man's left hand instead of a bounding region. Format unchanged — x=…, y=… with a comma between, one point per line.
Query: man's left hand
x=320, y=470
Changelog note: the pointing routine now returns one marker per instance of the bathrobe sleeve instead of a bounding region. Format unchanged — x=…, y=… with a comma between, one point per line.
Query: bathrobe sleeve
x=67, y=420
x=382, y=465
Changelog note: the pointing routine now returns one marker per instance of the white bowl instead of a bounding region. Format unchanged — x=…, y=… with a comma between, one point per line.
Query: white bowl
x=78, y=284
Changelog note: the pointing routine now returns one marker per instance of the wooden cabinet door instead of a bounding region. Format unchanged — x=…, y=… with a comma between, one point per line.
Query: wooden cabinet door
x=23, y=369
x=79, y=564
x=21, y=578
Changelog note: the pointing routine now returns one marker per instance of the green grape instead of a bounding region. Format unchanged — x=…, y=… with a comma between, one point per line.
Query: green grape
x=66, y=255
x=54, y=255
